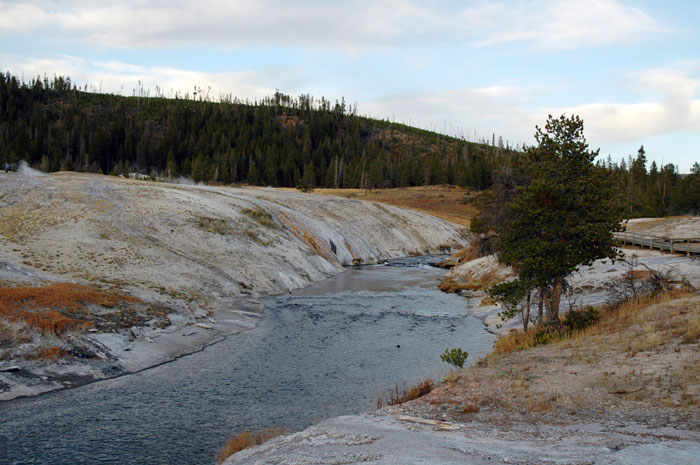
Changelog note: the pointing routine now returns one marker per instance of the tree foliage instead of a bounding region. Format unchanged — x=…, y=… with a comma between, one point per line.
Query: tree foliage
x=455, y=357
x=562, y=218
x=54, y=125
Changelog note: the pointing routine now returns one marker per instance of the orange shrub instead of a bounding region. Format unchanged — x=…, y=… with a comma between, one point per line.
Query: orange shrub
x=399, y=395
x=56, y=307
x=51, y=353
x=245, y=440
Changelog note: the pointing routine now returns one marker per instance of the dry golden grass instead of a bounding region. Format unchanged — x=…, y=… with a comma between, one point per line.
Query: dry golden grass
x=262, y=216
x=48, y=353
x=400, y=394
x=449, y=285
x=640, y=361
x=650, y=223
x=485, y=281
x=473, y=283
x=639, y=274
x=466, y=255
x=690, y=332
x=517, y=340
x=469, y=408
x=245, y=440
x=635, y=313
x=451, y=203
x=642, y=324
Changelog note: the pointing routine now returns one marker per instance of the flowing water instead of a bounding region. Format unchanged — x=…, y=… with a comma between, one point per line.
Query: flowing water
x=324, y=351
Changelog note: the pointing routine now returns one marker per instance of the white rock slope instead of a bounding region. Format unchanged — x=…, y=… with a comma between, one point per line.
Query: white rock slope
x=203, y=253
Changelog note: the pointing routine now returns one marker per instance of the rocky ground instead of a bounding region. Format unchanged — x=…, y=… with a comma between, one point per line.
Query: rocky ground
x=159, y=269
x=626, y=391
x=623, y=392
x=588, y=286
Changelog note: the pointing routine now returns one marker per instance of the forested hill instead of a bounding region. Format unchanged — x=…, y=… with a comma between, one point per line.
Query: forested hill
x=280, y=141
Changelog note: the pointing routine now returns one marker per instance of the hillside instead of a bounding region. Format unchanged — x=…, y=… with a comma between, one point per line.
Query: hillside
x=160, y=269
x=279, y=141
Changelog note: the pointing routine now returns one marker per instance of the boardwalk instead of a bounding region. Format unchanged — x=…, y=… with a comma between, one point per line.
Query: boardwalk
x=689, y=246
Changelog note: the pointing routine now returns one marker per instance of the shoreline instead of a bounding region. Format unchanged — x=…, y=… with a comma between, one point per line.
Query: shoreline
x=145, y=352
x=583, y=399
x=193, y=258
x=45, y=378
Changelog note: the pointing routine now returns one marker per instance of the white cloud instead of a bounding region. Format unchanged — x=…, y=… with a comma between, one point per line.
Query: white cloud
x=472, y=113
x=559, y=25
x=678, y=82
x=671, y=104
x=123, y=78
x=351, y=25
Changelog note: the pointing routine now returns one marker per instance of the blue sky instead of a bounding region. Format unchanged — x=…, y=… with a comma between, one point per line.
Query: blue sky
x=631, y=70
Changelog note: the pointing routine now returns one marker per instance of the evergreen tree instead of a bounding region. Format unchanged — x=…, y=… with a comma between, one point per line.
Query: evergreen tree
x=253, y=174
x=200, y=168
x=308, y=181
x=563, y=219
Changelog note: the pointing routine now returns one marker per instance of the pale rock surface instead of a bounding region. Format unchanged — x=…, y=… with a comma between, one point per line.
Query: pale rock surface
x=203, y=252
x=384, y=438
x=587, y=286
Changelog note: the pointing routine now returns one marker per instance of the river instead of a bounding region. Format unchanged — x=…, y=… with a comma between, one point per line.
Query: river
x=323, y=351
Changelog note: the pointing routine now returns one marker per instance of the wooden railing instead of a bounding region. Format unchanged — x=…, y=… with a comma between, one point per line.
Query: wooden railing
x=672, y=244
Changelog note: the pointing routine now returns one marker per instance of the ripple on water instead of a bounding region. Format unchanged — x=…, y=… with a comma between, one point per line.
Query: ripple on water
x=316, y=354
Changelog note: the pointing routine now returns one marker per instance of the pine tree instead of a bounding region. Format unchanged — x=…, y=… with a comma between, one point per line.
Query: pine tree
x=563, y=219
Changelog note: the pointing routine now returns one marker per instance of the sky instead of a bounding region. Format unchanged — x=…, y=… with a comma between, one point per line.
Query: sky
x=630, y=69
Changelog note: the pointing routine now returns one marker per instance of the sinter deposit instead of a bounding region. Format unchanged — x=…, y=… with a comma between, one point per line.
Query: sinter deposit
x=193, y=257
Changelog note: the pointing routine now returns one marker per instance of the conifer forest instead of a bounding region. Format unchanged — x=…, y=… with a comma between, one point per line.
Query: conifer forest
x=302, y=142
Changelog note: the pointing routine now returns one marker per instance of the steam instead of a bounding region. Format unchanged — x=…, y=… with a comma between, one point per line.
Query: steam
x=26, y=170
x=179, y=180
x=185, y=181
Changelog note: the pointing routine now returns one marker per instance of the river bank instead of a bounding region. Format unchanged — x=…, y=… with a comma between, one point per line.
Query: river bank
x=589, y=286
x=319, y=352
x=160, y=270
x=625, y=391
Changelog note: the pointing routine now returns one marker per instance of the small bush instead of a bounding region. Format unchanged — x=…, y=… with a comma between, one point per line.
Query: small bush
x=399, y=395
x=215, y=226
x=544, y=337
x=455, y=357
x=520, y=340
x=246, y=439
x=577, y=320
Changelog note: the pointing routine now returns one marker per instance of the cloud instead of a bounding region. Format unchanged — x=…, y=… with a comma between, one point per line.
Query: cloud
x=558, y=25
x=670, y=104
x=474, y=114
x=123, y=78
x=350, y=25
